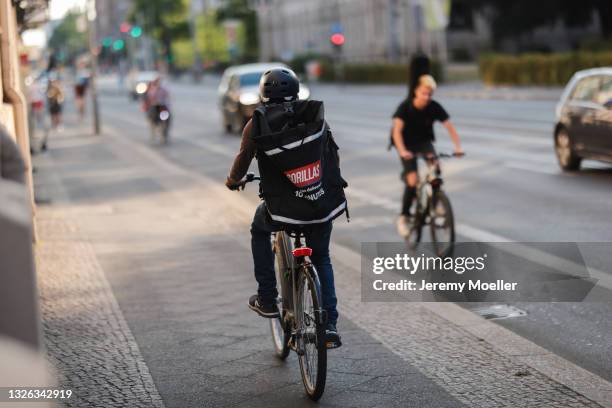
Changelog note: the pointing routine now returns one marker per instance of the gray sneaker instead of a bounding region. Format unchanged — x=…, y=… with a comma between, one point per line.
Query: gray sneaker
x=332, y=338
x=404, y=223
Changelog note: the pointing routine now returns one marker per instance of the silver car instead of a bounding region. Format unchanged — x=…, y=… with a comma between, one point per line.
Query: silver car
x=239, y=93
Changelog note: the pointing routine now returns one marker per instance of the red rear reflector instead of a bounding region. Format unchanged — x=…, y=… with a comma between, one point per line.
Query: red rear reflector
x=302, y=251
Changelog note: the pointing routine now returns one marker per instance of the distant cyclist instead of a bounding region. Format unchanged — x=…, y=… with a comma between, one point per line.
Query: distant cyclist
x=156, y=97
x=413, y=134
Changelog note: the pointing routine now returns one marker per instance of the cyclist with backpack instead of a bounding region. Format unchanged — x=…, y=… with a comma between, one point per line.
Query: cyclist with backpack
x=301, y=186
x=413, y=134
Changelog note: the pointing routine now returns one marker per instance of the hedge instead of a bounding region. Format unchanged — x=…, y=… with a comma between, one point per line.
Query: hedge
x=538, y=69
x=372, y=73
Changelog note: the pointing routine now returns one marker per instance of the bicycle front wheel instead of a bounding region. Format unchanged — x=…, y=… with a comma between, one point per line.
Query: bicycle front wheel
x=442, y=224
x=310, y=334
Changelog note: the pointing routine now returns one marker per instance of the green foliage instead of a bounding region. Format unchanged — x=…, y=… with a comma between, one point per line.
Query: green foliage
x=67, y=39
x=538, y=69
x=210, y=41
x=211, y=37
x=375, y=73
x=164, y=20
x=183, y=53
x=241, y=10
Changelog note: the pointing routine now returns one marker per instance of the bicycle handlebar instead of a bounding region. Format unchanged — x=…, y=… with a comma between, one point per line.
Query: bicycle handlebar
x=447, y=155
x=249, y=178
x=438, y=155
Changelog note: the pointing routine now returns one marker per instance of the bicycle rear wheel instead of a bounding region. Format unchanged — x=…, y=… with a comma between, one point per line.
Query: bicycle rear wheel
x=442, y=224
x=310, y=334
x=279, y=327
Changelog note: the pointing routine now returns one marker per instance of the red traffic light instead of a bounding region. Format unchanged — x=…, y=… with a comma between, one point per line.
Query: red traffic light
x=337, y=39
x=125, y=27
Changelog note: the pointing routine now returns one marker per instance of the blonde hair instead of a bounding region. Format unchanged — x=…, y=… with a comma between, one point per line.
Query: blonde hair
x=428, y=81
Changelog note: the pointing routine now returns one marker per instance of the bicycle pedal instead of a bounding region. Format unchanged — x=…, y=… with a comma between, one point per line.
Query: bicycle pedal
x=332, y=345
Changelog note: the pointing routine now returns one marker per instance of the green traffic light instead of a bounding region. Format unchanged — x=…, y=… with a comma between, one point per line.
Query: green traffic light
x=136, y=31
x=107, y=41
x=118, y=45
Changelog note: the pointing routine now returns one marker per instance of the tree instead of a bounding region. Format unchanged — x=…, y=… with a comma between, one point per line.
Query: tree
x=66, y=39
x=241, y=10
x=164, y=20
x=517, y=17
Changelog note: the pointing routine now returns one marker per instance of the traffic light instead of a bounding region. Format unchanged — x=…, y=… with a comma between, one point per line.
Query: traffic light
x=125, y=27
x=337, y=39
x=118, y=45
x=136, y=31
x=107, y=41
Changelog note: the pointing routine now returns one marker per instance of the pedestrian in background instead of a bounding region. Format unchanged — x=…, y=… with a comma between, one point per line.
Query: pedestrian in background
x=55, y=103
x=80, y=89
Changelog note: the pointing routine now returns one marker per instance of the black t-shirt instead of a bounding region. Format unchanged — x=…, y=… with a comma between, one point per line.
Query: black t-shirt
x=418, y=124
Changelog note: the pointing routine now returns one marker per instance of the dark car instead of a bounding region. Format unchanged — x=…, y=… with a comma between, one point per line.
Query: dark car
x=239, y=93
x=584, y=119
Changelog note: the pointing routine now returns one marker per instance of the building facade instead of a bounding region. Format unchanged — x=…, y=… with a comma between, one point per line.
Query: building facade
x=375, y=30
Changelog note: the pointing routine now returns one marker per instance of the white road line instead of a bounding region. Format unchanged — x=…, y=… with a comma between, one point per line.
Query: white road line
x=533, y=254
x=537, y=168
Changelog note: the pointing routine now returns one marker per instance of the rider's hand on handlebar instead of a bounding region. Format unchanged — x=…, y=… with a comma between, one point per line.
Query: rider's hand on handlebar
x=459, y=152
x=406, y=155
x=233, y=185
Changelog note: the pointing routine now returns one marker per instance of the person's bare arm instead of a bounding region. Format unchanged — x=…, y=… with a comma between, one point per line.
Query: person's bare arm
x=398, y=140
x=243, y=158
x=453, y=135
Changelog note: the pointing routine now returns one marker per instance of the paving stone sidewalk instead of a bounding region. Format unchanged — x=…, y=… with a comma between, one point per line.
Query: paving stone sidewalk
x=144, y=274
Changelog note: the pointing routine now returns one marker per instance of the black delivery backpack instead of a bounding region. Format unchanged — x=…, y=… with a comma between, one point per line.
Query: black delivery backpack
x=298, y=163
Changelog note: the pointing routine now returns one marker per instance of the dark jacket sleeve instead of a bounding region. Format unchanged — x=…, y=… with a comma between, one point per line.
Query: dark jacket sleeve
x=243, y=158
x=12, y=166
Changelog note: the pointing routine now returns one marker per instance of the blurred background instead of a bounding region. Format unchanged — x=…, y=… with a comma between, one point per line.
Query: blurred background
x=499, y=42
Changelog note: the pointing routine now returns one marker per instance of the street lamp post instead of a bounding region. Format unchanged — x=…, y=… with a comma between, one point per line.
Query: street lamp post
x=91, y=24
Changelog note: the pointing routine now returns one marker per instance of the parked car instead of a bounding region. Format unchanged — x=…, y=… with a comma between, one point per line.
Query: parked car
x=138, y=83
x=239, y=93
x=584, y=119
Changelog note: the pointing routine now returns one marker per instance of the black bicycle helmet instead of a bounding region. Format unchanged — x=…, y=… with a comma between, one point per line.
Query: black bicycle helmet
x=279, y=84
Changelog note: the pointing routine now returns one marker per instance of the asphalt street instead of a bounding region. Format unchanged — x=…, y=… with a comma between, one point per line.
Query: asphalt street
x=507, y=188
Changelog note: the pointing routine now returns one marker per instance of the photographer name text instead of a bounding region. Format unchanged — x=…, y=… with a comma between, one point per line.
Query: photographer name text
x=409, y=285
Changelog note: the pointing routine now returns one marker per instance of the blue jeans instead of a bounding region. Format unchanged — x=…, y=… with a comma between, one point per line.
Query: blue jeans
x=317, y=238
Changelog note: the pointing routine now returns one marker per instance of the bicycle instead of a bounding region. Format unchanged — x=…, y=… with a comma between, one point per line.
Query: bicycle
x=301, y=325
x=159, y=120
x=433, y=208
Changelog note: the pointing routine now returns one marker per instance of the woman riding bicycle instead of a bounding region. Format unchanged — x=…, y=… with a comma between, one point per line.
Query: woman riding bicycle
x=413, y=134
